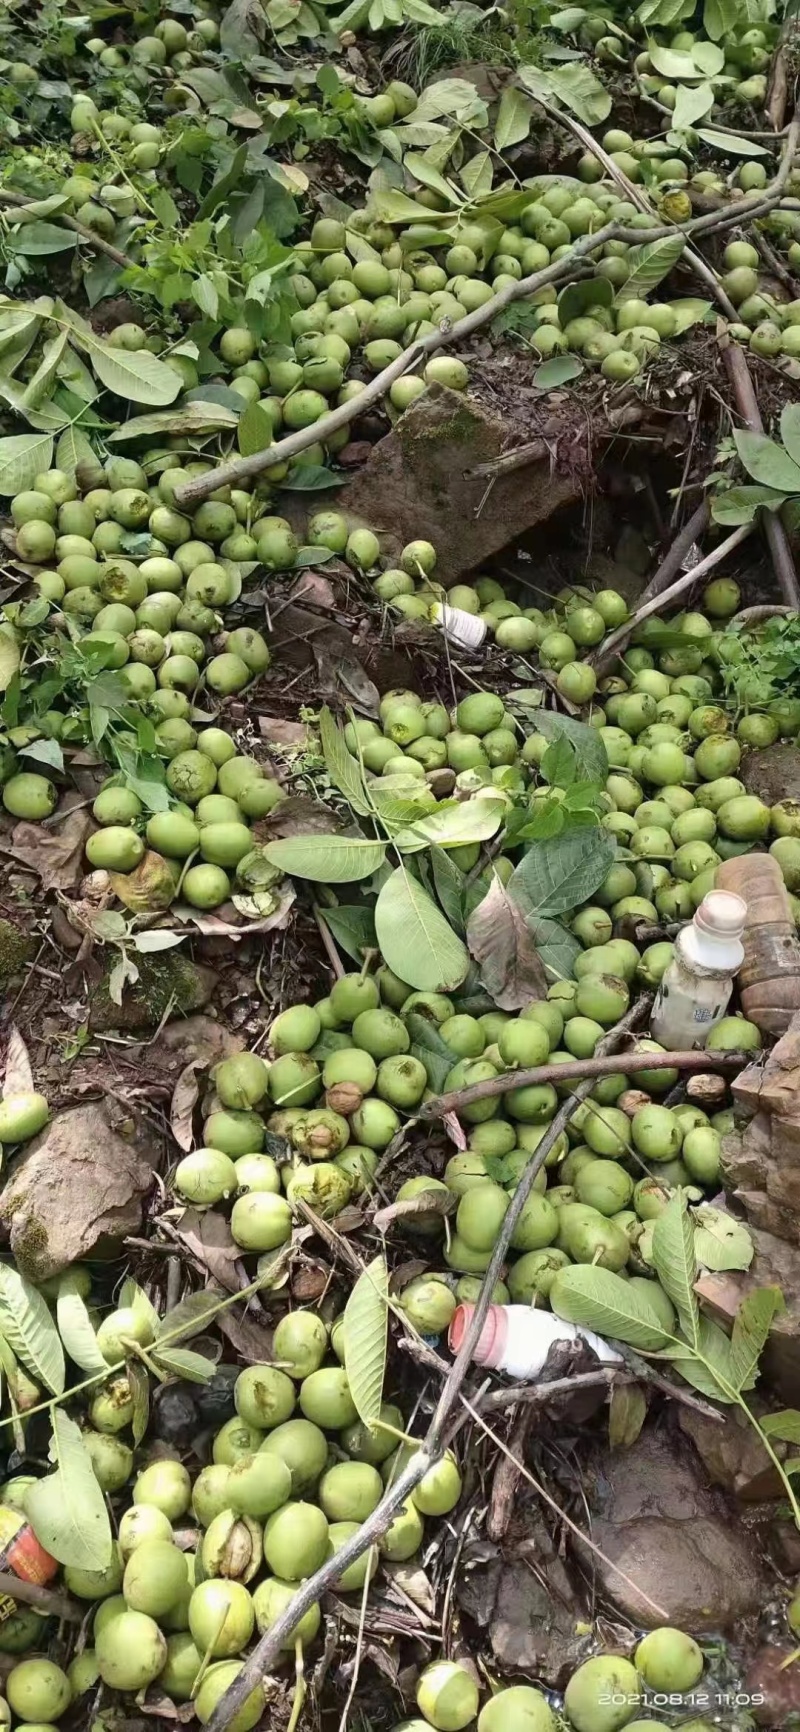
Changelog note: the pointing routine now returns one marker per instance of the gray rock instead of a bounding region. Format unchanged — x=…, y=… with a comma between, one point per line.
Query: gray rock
x=420, y=482
x=78, y=1189
x=675, y=1539
x=530, y=1613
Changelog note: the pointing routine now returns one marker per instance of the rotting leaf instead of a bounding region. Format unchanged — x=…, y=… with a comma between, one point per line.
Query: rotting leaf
x=18, y=1074
x=501, y=941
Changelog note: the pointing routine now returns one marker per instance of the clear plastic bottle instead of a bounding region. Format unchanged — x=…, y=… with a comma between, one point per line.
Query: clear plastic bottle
x=697, y=985
x=516, y=1339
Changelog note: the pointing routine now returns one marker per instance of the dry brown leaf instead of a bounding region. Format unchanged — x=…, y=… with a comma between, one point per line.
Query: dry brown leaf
x=500, y=940
x=406, y=1272
x=250, y=1336
x=18, y=1075
x=212, y=926
x=279, y=732
x=149, y=888
x=209, y=1239
x=297, y=816
x=312, y=587
x=425, y=1203
x=55, y=851
x=184, y=1100
x=454, y=1130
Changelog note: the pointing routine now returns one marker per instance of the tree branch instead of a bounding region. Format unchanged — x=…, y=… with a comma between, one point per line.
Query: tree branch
x=88, y=235
x=588, y=1068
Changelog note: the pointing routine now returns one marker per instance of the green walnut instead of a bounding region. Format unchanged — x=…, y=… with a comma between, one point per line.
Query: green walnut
x=155, y=1577
x=210, y=1492
x=303, y=1447
x=221, y=1617
x=349, y=1491
x=258, y=1484
x=447, y=1695
x=404, y=1535
x=167, y=1485
x=354, y=1575
x=36, y=1689
x=326, y=1400
x=374, y=1445
x=130, y=1651
x=264, y=1396
x=232, y=1547
x=603, y=1695
x=440, y=1488
x=233, y=1440
x=518, y=1709
x=216, y=1683
x=296, y=1541
x=270, y=1600
x=670, y=1661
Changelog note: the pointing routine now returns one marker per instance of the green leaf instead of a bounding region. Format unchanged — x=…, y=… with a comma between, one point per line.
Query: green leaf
x=453, y=826
x=704, y=1373
x=784, y=1425
x=188, y=1318
x=503, y=944
x=790, y=430
x=649, y=264
x=327, y=859
x=688, y=311
x=451, y=97
x=67, y=1510
x=767, y=461
x=353, y=929
x=254, y=432
x=198, y=417
x=751, y=1327
x=137, y=376
x=39, y=386
x=33, y=240
x=477, y=175
x=342, y=767
x=741, y=504
x=581, y=91
x=591, y=758
x=557, y=371
x=182, y=1362
x=720, y=1241
x=556, y=875
x=691, y=105
x=427, y=175
x=73, y=448
x=22, y=457
x=558, y=764
x=29, y=1329
x=433, y=1052
x=557, y=948
x=709, y=58
x=600, y=1300
x=672, y=63
x=76, y=1329
x=730, y=144
x=448, y=882
x=627, y=1412
x=365, y=1334
x=9, y=656
x=675, y=1263
x=514, y=117
x=416, y=940
x=579, y=298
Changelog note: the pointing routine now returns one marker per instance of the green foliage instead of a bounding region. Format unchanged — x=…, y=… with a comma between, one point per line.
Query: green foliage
x=366, y=1324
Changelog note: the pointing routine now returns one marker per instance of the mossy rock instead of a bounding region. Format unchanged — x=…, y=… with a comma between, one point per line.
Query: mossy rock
x=16, y=948
x=167, y=985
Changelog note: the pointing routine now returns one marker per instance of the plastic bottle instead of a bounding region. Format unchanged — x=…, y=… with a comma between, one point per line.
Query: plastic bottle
x=517, y=1339
x=769, y=979
x=698, y=983
x=466, y=629
x=22, y=1555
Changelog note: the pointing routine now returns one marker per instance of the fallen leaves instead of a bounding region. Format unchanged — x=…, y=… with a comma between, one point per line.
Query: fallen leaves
x=54, y=851
x=500, y=940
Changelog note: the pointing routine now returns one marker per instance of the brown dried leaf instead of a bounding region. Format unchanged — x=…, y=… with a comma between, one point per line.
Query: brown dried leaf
x=54, y=852
x=414, y=1583
x=279, y=732
x=209, y=1239
x=312, y=587
x=500, y=940
x=626, y=1414
x=18, y=1076
x=249, y=1335
x=297, y=816
x=454, y=1130
x=184, y=1101
x=425, y=1203
x=212, y=926
x=406, y=1272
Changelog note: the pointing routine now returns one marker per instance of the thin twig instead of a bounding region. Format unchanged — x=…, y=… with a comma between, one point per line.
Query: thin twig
x=586, y=1068
x=88, y=235
x=628, y=416
x=330, y=948
x=667, y=596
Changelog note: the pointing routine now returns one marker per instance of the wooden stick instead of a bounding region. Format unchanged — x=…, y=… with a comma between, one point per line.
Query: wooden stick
x=683, y=583
x=584, y=1068
x=88, y=235
x=44, y=1599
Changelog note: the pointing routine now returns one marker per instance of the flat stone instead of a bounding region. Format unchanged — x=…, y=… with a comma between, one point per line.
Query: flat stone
x=530, y=1614
x=167, y=984
x=78, y=1190
x=675, y=1538
x=733, y=1455
x=420, y=481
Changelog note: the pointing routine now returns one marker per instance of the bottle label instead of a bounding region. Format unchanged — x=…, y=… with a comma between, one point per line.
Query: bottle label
x=22, y=1554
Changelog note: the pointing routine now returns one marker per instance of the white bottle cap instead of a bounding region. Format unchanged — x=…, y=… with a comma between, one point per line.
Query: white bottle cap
x=721, y=914
x=467, y=629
